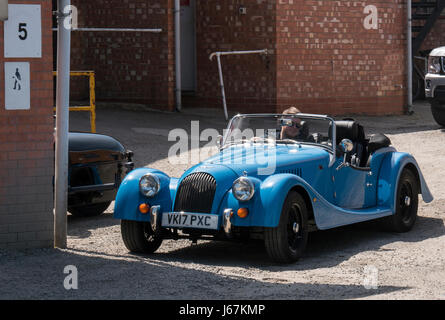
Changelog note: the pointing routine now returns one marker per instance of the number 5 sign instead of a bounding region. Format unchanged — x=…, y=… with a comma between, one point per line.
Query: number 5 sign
x=23, y=31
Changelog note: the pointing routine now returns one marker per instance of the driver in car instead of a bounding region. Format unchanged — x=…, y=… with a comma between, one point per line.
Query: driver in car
x=295, y=130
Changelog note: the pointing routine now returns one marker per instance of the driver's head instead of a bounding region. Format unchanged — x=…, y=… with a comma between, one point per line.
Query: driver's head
x=291, y=132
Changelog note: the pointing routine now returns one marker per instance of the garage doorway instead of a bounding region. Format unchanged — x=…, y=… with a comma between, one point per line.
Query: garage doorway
x=188, y=46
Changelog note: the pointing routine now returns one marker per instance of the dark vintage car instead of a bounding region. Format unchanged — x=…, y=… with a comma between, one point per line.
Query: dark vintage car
x=97, y=165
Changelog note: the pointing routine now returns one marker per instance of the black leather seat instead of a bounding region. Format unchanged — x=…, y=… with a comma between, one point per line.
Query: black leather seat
x=376, y=142
x=352, y=130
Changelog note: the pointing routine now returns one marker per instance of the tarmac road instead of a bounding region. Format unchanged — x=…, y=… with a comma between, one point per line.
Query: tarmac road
x=355, y=262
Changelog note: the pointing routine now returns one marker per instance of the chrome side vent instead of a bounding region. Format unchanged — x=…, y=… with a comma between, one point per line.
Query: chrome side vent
x=297, y=172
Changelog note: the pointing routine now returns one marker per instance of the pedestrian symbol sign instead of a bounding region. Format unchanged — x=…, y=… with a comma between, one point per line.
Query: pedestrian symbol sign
x=17, y=86
x=18, y=80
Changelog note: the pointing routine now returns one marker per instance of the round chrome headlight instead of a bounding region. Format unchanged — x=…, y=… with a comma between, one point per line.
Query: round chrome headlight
x=149, y=185
x=243, y=189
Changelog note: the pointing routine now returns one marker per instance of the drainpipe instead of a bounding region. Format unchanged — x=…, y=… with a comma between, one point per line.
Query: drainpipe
x=178, y=54
x=409, y=57
x=62, y=126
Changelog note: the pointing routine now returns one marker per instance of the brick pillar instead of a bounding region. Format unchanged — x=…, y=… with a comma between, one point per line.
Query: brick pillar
x=26, y=151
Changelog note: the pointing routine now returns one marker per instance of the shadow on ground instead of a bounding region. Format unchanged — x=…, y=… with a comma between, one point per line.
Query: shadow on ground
x=325, y=248
x=113, y=277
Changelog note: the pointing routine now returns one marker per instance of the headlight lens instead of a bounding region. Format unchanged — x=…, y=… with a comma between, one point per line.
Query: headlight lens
x=243, y=189
x=149, y=185
x=434, y=65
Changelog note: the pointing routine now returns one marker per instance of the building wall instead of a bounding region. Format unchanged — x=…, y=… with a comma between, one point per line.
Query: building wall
x=250, y=80
x=327, y=62
x=436, y=38
x=132, y=67
x=322, y=59
x=26, y=152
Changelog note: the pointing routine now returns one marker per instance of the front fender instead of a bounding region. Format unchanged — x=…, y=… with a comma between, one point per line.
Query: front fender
x=266, y=205
x=274, y=191
x=391, y=169
x=129, y=198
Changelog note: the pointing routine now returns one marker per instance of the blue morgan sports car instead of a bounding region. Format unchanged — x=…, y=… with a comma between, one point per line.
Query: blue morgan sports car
x=276, y=178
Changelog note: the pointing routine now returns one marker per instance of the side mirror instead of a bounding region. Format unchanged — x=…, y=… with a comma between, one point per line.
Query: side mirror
x=219, y=141
x=347, y=146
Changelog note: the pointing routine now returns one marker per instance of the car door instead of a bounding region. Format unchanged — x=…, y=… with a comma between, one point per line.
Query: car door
x=354, y=188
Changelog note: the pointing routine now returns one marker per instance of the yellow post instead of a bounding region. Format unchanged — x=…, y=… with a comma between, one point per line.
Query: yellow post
x=93, y=102
x=92, y=107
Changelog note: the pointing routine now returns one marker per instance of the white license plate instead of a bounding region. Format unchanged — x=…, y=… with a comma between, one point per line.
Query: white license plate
x=190, y=220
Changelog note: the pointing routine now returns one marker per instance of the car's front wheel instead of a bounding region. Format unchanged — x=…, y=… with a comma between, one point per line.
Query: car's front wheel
x=287, y=242
x=407, y=202
x=438, y=111
x=139, y=237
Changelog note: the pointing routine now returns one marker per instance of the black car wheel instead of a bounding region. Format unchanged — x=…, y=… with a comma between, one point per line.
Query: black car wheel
x=89, y=210
x=407, y=202
x=287, y=242
x=438, y=111
x=139, y=237
x=418, y=87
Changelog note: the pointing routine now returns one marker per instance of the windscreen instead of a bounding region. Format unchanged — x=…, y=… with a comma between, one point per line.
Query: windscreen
x=279, y=129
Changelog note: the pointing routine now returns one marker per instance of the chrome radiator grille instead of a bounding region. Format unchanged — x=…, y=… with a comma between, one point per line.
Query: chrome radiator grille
x=195, y=193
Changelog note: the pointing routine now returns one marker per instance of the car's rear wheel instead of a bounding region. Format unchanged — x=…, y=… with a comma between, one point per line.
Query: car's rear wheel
x=407, y=201
x=287, y=242
x=89, y=210
x=438, y=111
x=139, y=237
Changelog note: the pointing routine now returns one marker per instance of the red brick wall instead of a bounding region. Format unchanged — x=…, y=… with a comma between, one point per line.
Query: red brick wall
x=26, y=152
x=250, y=81
x=327, y=62
x=436, y=38
x=322, y=58
x=132, y=67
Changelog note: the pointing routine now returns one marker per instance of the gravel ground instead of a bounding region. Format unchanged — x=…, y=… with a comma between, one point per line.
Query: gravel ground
x=336, y=264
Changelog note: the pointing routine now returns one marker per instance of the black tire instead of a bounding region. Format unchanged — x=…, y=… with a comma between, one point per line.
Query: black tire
x=418, y=87
x=89, y=210
x=287, y=242
x=139, y=237
x=406, y=209
x=438, y=111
